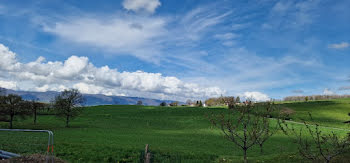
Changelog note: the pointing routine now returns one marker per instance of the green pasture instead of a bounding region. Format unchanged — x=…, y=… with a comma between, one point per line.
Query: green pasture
x=175, y=134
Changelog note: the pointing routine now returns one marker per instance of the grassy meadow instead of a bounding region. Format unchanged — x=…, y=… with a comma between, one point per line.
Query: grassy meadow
x=175, y=134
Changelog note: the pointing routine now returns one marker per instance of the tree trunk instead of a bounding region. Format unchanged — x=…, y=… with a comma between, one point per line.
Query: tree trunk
x=35, y=117
x=67, y=121
x=245, y=156
x=11, y=119
x=328, y=160
x=261, y=148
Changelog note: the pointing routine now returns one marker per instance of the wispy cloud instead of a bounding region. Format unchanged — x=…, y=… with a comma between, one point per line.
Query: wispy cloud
x=145, y=37
x=341, y=45
x=298, y=91
x=291, y=14
x=133, y=35
x=344, y=88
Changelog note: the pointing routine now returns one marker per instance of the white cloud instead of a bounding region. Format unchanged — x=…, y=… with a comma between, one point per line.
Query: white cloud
x=78, y=72
x=199, y=20
x=145, y=37
x=8, y=58
x=138, y=5
x=239, y=26
x=43, y=88
x=256, y=96
x=8, y=84
x=135, y=35
x=327, y=91
x=341, y=45
x=226, y=36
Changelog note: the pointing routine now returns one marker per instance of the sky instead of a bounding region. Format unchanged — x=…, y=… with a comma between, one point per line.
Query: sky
x=178, y=50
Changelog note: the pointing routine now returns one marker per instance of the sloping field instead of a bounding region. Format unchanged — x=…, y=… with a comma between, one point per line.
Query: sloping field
x=175, y=134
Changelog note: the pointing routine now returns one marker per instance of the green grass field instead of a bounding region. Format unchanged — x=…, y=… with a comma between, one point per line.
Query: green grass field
x=175, y=134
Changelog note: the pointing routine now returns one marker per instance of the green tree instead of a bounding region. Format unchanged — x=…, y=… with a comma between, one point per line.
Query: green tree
x=238, y=100
x=68, y=104
x=13, y=105
x=162, y=104
x=35, y=107
x=200, y=103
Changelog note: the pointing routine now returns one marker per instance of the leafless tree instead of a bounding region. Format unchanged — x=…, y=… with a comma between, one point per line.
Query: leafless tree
x=322, y=146
x=189, y=102
x=244, y=125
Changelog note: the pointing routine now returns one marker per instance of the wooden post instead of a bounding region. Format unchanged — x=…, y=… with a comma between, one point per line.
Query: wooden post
x=147, y=154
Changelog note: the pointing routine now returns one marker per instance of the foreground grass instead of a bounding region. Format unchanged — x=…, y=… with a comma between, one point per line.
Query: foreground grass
x=175, y=134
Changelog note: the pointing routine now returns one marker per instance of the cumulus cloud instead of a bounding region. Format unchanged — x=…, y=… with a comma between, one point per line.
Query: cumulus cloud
x=341, y=45
x=327, y=91
x=141, y=5
x=256, y=96
x=78, y=72
x=8, y=58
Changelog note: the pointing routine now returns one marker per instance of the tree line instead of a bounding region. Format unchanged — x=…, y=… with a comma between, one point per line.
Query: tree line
x=222, y=101
x=67, y=105
x=314, y=97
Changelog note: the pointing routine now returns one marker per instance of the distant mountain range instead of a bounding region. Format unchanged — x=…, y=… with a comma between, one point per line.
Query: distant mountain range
x=91, y=99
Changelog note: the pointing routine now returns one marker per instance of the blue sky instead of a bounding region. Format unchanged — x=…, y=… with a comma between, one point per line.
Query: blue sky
x=179, y=50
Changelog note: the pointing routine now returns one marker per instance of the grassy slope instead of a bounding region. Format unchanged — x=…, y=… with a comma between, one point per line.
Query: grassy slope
x=110, y=133
x=327, y=113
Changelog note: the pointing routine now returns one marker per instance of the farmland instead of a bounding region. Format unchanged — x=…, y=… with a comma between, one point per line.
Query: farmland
x=175, y=134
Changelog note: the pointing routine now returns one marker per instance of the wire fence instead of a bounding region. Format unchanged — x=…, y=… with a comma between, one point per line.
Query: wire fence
x=26, y=142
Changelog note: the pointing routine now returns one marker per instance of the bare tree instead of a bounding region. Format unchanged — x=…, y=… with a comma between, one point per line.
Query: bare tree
x=139, y=102
x=189, y=102
x=321, y=146
x=244, y=125
x=229, y=101
x=68, y=104
x=13, y=105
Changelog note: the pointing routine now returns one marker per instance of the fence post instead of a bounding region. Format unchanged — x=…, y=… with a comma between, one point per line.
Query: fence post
x=147, y=154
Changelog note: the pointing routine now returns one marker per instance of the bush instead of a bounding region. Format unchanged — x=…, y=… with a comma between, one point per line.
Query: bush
x=286, y=113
